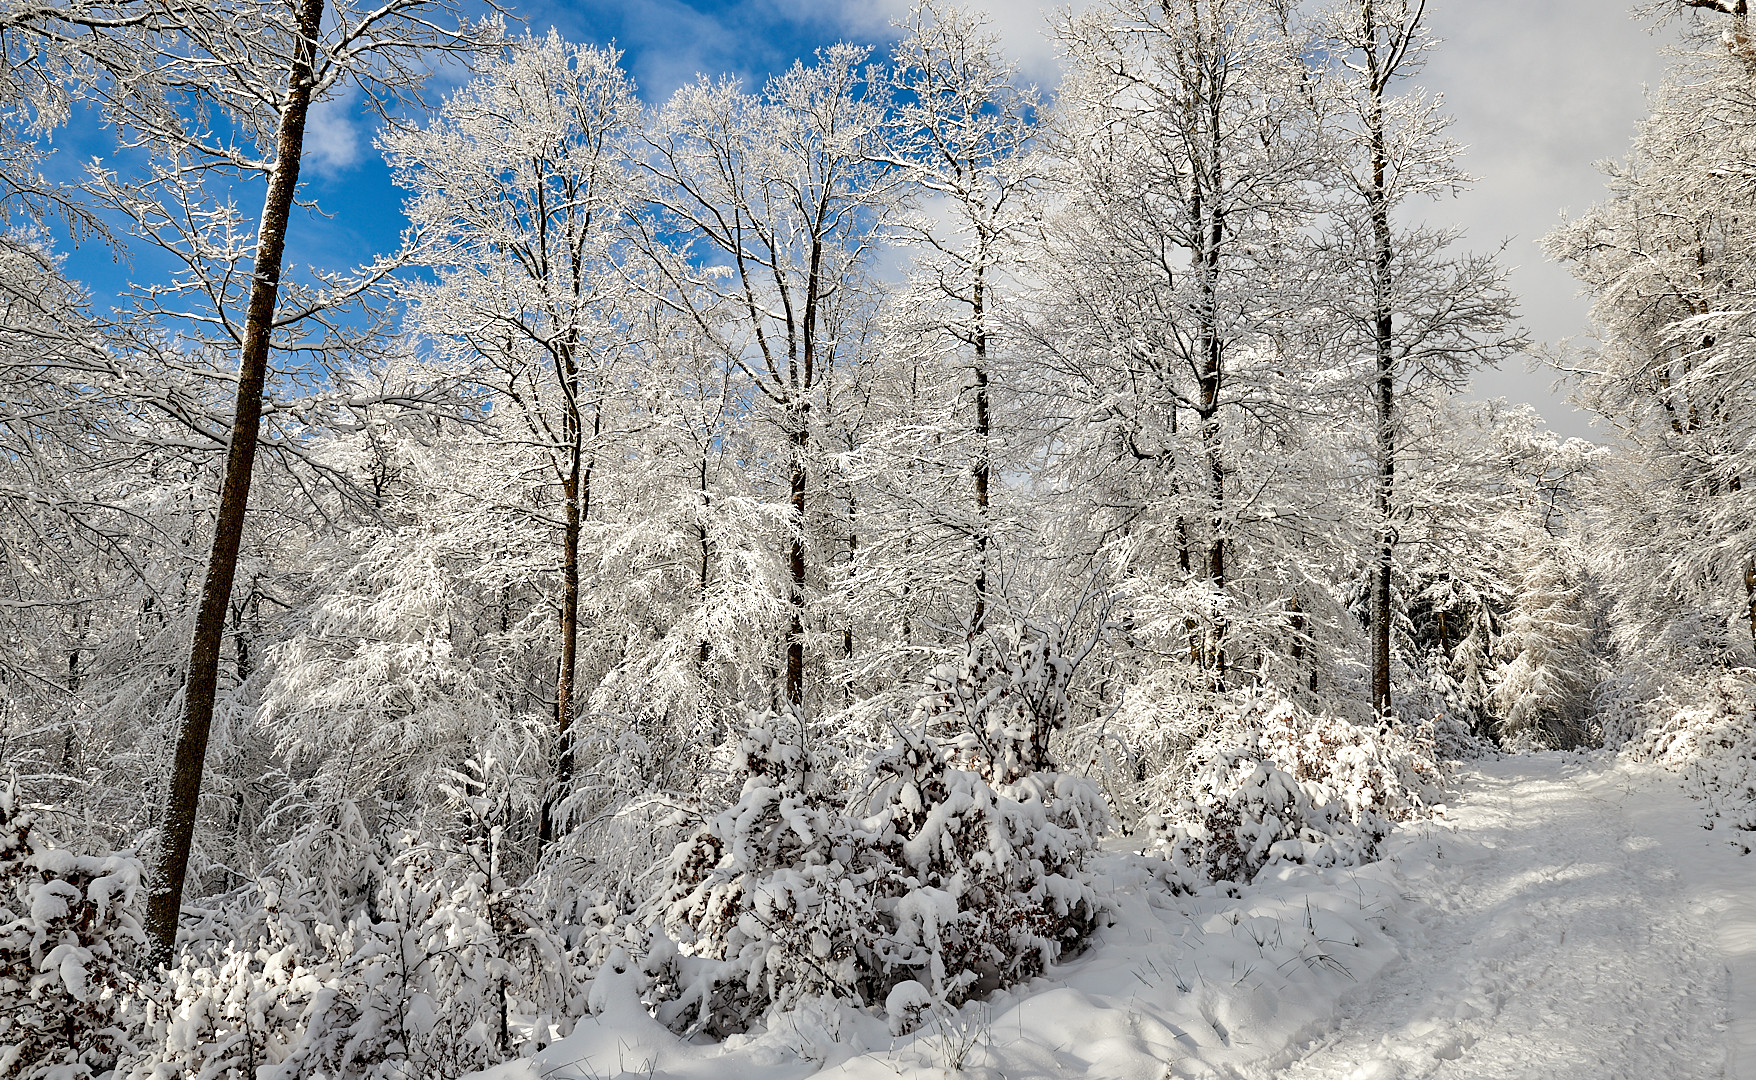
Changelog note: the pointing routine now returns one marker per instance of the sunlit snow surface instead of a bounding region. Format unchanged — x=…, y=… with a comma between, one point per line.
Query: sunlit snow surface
x=1567, y=918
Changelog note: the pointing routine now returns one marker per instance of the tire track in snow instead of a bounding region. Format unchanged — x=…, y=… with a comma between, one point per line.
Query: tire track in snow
x=1573, y=930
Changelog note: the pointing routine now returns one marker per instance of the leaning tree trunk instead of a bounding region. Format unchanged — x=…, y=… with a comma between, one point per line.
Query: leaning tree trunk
x=201, y=683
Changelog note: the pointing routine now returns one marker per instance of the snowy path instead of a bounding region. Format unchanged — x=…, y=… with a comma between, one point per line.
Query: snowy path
x=1579, y=925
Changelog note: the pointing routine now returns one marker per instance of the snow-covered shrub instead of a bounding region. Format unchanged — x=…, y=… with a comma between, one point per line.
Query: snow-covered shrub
x=773, y=892
x=642, y=783
x=67, y=923
x=1387, y=771
x=433, y=969
x=986, y=839
x=1285, y=786
x=1002, y=702
x=984, y=884
x=935, y=877
x=1460, y=729
x=1244, y=813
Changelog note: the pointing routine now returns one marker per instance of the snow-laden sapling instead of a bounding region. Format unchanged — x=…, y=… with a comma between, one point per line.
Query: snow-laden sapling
x=1284, y=786
x=941, y=882
x=1002, y=701
x=413, y=962
x=984, y=885
x=67, y=925
x=986, y=840
x=771, y=899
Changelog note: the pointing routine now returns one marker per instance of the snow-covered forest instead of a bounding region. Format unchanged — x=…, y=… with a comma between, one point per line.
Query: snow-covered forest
x=785, y=577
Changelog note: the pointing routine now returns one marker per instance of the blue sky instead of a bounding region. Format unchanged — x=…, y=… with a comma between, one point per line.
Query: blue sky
x=666, y=43
x=1540, y=92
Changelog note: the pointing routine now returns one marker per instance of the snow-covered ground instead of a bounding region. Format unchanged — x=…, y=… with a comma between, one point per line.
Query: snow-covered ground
x=1566, y=917
x=1581, y=924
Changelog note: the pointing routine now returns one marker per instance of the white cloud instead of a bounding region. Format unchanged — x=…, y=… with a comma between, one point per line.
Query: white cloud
x=1023, y=27
x=1540, y=92
x=332, y=135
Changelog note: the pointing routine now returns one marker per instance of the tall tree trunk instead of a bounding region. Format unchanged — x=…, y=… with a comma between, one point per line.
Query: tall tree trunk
x=569, y=628
x=799, y=415
x=178, y=828
x=705, y=650
x=1384, y=540
x=1212, y=347
x=1296, y=624
x=1384, y=372
x=983, y=465
x=1750, y=596
x=795, y=686
x=576, y=489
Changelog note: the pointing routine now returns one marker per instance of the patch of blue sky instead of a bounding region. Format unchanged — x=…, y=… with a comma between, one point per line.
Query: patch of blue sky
x=354, y=210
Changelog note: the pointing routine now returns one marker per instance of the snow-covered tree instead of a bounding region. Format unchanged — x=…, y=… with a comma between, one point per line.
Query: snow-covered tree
x=961, y=141
x=520, y=184
x=1414, y=311
x=1666, y=261
x=765, y=206
x=222, y=97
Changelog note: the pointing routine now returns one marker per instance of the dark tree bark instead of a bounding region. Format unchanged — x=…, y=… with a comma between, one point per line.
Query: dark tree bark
x=1737, y=484
x=803, y=380
x=1210, y=217
x=1384, y=368
x=576, y=490
x=983, y=464
x=201, y=682
x=799, y=440
x=706, y=648
x=1750, y=596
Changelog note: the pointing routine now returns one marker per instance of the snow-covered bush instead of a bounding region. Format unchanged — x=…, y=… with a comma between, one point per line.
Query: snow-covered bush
x=67, y=923
x=1244, y=813
x=433, y=969
x=774, y=892
x=1003, y=700
x=935, y=884
x=1712, y=742
x=984, y=839
x=984, y=884
x=1285, y=786
x=1387, y=771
